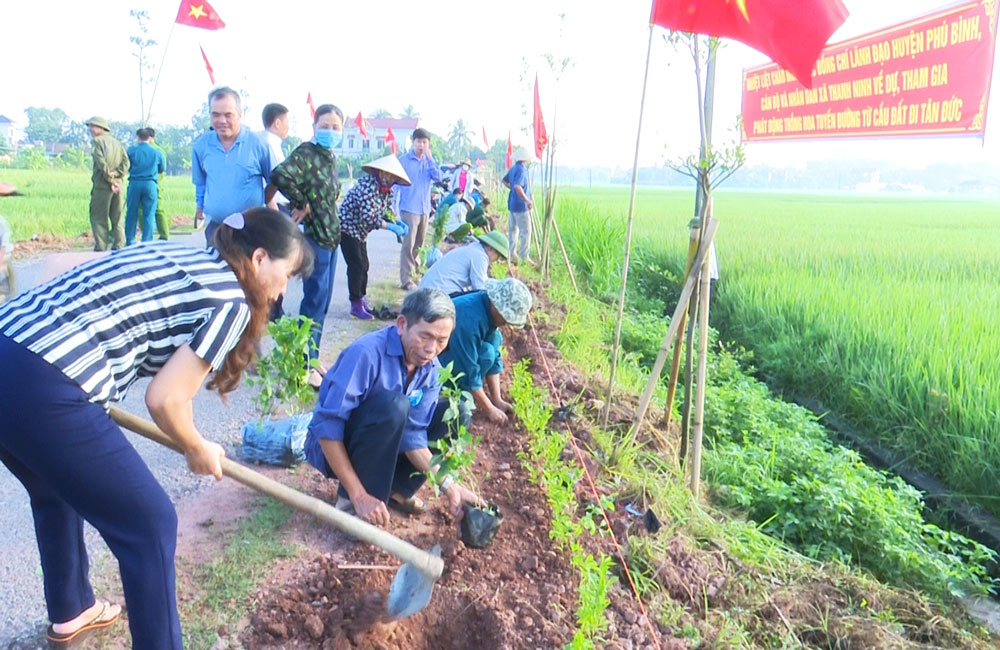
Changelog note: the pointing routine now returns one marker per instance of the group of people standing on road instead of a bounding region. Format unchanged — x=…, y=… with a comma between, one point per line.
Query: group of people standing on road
x=184, y=315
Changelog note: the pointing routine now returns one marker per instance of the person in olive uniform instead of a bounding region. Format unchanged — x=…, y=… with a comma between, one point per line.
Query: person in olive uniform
x=110, y=166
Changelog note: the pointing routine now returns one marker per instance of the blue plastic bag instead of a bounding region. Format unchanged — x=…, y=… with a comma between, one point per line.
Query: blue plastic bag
x=276, y=442
x=433, y=255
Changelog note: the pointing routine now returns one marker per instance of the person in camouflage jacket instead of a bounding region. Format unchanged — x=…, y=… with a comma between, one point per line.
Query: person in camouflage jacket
x=308, y=178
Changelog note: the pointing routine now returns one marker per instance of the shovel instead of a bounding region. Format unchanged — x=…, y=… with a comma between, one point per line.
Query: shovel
x=411, y=588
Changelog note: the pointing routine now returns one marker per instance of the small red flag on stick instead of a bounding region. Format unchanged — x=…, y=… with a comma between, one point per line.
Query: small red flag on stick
x=792, y=33
x=309, y=100
x=198, y=13
x=510, y=152
x=208, y=66
x=360, y=122
x=391, y=137
x=541, y=137
x=486, y=143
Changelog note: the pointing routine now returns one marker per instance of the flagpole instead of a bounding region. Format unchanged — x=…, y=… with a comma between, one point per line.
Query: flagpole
x=159, y=73
x=628, y=235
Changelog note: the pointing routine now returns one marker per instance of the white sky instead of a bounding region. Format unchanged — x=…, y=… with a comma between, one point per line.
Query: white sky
x=451, y=59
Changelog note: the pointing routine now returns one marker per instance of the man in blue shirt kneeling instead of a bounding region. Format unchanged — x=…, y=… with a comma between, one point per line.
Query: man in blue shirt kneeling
x=379, y=409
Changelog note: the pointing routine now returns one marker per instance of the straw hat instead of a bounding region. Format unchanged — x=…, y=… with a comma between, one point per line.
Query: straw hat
x=495, y=240
x=523, y=154
x=512, y=298
x=466, y=161
x=388, y=164
x=98, y=121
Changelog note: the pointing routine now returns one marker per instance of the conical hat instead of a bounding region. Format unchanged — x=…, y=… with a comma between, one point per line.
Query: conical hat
x=388, y=164
x=522, y=153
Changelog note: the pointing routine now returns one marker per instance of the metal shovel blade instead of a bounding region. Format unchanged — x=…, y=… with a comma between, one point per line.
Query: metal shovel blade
x=410, y=590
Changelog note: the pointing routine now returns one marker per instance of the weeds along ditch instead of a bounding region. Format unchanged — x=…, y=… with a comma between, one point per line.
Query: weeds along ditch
x=766, y=458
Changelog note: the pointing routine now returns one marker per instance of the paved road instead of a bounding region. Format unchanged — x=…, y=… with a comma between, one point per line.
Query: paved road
x=22, y=607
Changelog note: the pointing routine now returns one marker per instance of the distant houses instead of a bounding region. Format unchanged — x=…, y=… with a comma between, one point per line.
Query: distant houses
x=354, y=145
x=9, y=131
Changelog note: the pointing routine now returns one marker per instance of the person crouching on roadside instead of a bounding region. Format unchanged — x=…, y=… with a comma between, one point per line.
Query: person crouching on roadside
x=71, y=346
x=364, y=209
x=466, y=268
x=474, y=347
x=379, y=410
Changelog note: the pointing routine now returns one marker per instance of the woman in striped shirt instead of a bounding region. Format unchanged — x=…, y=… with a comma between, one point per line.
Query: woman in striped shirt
x=70, y=347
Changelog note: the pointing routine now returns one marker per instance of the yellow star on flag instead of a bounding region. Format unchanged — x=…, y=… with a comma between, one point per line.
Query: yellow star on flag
x=198, y=11
x=742, y=4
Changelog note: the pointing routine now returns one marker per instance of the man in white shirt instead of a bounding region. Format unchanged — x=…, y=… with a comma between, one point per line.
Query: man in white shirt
x=276, y=127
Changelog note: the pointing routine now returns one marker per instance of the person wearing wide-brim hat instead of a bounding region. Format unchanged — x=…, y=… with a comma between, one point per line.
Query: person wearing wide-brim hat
x=474, y=346
x=463, y=178
x=466, y=268
x=110, y=166
x=366, y=207
x=519, y=205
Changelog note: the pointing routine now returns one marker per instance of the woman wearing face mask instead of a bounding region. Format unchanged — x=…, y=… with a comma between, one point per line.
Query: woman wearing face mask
x=308, y=178
x=364, y=209
x=463, y=178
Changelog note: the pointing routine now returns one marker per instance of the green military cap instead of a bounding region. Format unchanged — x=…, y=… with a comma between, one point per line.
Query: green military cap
x=98, y=121
x=495, y=240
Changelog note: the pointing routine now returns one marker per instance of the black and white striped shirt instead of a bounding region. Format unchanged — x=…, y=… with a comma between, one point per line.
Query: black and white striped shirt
x=112, y=320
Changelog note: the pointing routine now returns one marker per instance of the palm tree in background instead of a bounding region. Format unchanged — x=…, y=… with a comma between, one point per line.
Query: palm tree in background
x=380, y=113
x=459, y=137
x=409, y=113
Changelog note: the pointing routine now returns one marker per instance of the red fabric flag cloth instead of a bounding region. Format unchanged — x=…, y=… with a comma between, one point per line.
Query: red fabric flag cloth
x=360, y=122
x=391, y=137
x=309, y=100
x=198, y=13
x=208, y=66
x=792, y=33
x=510, y=152
x=541, y=137
x=486, y=142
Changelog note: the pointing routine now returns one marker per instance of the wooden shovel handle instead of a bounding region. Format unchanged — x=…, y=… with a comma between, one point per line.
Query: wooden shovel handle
x=427, y=564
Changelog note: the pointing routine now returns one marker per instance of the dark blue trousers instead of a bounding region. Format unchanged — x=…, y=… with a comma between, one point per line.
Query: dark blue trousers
x=372, y=436
x=76, y=465
x=317, y=290
x=144, y=194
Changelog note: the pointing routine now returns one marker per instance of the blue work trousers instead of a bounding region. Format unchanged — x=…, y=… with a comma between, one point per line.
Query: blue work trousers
x=372, y=436
x=140, y=193
x=317, y=289
x=77, y=465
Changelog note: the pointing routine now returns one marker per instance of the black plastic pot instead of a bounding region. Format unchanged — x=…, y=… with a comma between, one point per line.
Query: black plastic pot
x=479, y=526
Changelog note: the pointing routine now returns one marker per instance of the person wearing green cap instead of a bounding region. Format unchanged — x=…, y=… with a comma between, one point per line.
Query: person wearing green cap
x=466, y=268
x=110, y=166
x=474, y=346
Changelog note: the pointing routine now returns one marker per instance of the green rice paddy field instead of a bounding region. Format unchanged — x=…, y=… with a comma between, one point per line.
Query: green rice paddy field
x=57, y=202
x=885, y=308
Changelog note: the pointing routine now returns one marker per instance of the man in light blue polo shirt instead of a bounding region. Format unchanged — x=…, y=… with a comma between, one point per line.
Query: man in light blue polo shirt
x=229, y=165
x=413, y=202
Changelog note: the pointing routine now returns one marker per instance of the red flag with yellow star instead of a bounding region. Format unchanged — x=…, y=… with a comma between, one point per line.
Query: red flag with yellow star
x=198, y=13
x=791, y=32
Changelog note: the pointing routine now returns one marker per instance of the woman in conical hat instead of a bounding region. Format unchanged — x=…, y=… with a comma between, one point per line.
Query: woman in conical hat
x=367, y=207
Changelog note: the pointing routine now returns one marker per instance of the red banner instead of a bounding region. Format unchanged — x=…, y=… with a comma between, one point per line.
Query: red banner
x=928, y=76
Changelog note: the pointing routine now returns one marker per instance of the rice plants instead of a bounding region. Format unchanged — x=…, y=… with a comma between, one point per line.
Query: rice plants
x=882, y=307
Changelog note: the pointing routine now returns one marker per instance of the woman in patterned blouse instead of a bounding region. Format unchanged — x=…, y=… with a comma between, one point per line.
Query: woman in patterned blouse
x=367, y=207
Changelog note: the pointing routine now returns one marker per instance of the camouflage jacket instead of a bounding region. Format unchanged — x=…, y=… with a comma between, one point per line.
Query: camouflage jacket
x=309, y=177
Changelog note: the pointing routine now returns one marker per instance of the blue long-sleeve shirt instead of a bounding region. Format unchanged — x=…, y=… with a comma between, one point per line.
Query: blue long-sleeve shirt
x=474, y=346
x=229, y=181
x=517, y=176
x=416, y=198
x=146, y=162
x=372, y=364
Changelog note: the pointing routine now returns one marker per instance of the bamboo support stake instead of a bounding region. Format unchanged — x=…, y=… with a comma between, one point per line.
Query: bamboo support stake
x=675, y=323
x=562, y=247
x=688, y=374
x=699, y=406
x=675, y=364
x=628, y=238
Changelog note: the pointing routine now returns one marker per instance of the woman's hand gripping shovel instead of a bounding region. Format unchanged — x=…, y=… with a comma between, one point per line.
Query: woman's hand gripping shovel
x=411, y=588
